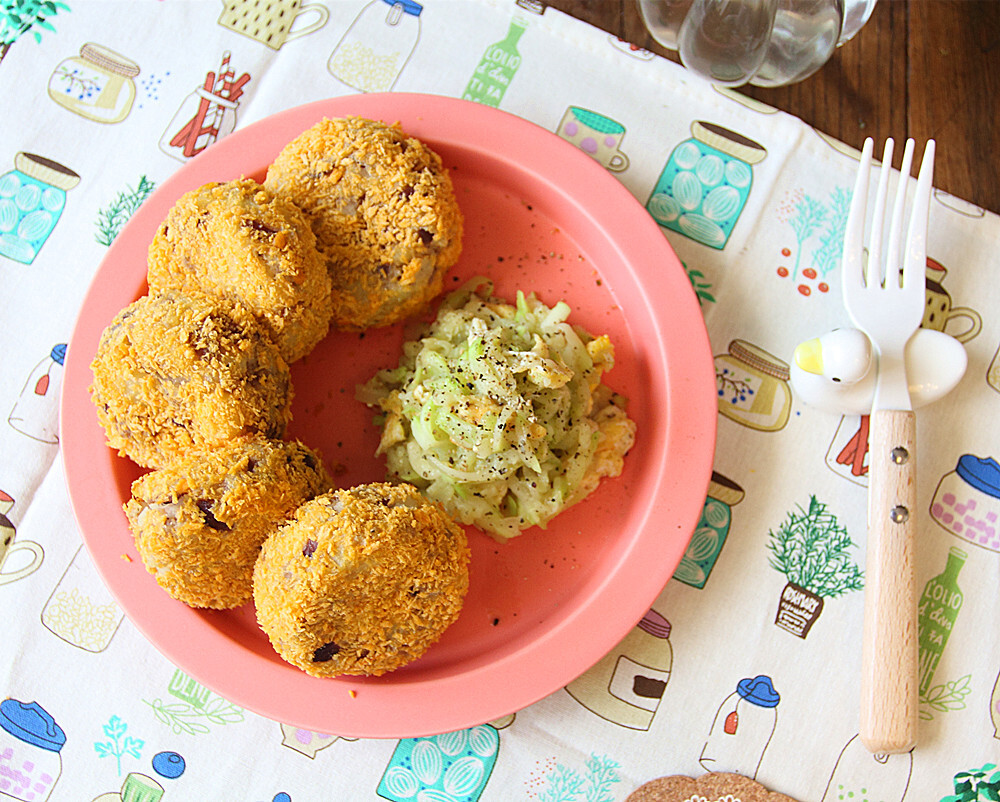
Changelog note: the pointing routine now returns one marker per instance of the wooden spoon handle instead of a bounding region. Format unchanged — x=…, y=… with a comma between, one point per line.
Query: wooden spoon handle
x=889, y=647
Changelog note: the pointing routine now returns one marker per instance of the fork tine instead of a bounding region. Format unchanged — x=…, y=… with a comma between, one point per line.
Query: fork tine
x=915, y=261
x=852, y=267
x=875, y=272
x=893, y=265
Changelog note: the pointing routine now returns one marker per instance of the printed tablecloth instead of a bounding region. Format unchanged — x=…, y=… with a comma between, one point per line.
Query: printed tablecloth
x=748, y=660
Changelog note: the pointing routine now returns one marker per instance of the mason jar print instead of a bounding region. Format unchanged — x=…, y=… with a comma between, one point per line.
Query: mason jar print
x=97, y=84
x=966, y=502
x=627, y=685
x=705, y=184
x=32, y=197
x=36, y=411
x=711, y=532
x=752, y=387
x=452, y=766
x=378, y=44
x=861, y=775
x=743, y=727
x=30, y=745
x=80, y=609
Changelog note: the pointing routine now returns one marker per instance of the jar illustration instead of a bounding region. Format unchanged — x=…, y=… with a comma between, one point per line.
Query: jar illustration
x=32, y=197
x=705, y=184
x=710, y=535
x=939, y=312
x=496, y=68
x=627, y=684
x=30, y=743
x=861, y=775
x=207, y=114
x=378, y=44
x=97, y=84
x=937, y=611
x=742, y=728
x=966, y=501
x=270, y=22
x=596, y=135
x=848, y=455
x=753, y=387
x=136, y=788
x=80, y=609
x=36, y=411
x=453, y=766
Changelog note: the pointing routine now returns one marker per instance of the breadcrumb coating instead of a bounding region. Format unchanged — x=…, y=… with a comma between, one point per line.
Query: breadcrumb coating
x=199, y=523
x=384, y=212
x=363, y=581
x=238, y=241
x=176, y=371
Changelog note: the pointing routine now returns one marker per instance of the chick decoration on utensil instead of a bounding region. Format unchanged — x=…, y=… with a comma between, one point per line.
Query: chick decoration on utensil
x=837, y=371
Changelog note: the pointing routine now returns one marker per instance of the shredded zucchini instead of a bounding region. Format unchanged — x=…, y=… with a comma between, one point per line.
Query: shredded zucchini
x=498, y=412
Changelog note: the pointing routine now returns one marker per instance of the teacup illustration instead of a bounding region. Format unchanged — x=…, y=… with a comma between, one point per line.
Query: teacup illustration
x=596, y=135
x=306, y=742
x=939, y=312
x=8, y=546
x=270, y=21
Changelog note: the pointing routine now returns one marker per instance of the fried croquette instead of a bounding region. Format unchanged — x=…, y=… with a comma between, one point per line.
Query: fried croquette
x=238, y=241
x=384, y=212
x=363, y=581
x=199, y=523
x=176, y=371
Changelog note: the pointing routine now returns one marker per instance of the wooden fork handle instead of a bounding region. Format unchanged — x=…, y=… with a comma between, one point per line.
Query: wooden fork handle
x=889, y=647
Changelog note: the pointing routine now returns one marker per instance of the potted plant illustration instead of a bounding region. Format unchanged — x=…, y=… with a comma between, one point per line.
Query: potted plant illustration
x=810, y=549
x=18, y=17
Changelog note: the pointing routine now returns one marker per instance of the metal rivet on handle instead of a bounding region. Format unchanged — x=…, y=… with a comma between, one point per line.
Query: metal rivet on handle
x=899, y=455
x=899, y=514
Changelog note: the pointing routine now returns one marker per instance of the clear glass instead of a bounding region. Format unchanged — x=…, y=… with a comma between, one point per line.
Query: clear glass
x=721, y=39
x=803, y=37
x=726, y=40
x=856, y=14
x=663, y=19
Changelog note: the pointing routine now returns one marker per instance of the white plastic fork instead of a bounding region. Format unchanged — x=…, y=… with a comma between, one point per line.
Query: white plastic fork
x=886, y=298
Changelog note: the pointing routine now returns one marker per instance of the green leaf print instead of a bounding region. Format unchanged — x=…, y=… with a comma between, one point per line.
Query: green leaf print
x=810, y=548
x=119, y=744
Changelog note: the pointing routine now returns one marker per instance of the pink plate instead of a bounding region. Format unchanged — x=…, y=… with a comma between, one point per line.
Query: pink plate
x=540, y=215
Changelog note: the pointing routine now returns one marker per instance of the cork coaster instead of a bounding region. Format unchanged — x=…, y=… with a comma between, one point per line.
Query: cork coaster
x=712, y=787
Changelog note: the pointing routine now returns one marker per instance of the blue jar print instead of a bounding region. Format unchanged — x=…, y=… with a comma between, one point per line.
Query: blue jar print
x=453, y=766
x=32, y=197
x=705, y=184
x=710, y=535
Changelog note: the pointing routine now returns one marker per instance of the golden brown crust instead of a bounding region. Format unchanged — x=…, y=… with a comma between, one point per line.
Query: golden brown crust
x=199, y=523
x=363, y=581
x=383, y=209
x=175, y=371
x=238, y=241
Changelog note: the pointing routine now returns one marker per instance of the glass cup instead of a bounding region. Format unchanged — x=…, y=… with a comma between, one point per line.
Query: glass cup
x=763, y=42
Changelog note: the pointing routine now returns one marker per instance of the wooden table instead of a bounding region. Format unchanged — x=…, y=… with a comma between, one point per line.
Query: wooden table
x=919, y=68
